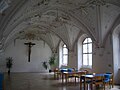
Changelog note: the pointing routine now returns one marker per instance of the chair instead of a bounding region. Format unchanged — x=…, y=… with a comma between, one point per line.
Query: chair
x=86, y=72
x=63, y=70
x=71, y=70
x=111, y=79
x=85, y=81
x=98, y=80
x=77, y=76
x=106, y=80
x=56, y=73
x=1, y=81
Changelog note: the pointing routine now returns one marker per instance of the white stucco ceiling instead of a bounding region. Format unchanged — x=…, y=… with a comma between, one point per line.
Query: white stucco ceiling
x=58, y=20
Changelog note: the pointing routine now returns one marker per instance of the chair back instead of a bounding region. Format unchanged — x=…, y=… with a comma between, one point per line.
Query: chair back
x=99, y=79
x=111, y=78
x=70, y=70
x=1, y=81
x=107, y=78
x=111, y=74
x=63, y=70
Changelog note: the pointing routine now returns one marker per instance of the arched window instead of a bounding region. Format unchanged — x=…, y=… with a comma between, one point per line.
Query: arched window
x=87, y=52
x=64, y=55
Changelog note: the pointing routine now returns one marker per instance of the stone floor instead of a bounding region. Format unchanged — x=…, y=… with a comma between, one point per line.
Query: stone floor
x=39, y=81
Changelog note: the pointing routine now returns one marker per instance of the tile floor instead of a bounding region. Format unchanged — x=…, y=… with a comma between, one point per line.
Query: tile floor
x=39, y=81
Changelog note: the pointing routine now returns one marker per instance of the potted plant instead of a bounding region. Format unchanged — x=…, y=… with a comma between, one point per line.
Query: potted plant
x=45, y=65
x=52, y=62
x=9, y=64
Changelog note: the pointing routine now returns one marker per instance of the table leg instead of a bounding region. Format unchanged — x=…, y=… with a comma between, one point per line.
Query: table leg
x=62, y=77
x=80, y=84
x=66, y=76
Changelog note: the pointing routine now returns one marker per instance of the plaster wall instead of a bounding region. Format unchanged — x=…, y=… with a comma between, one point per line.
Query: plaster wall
x=39, y=53
x=102, y=58
x=116, y=59
x=72, y=57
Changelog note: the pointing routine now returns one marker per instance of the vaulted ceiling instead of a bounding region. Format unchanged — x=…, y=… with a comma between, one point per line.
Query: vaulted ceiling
x=57, y=20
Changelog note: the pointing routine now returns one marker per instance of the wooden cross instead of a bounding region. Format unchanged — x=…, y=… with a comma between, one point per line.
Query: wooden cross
x=29, y=44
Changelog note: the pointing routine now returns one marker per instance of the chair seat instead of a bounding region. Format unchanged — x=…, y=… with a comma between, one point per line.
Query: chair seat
x=88, y=81
x=1, y=81
x=106, y=80
x=98, y=81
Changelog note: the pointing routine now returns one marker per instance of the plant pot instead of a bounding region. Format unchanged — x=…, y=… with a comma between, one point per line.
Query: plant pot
x=8, y=72
x=50, y=71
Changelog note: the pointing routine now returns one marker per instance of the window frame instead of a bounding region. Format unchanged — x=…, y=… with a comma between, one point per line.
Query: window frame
x=64, y=55
x=87, y=53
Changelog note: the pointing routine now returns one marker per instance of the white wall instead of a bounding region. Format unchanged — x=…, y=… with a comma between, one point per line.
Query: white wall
x=39, y=53
x=72, y=59
x=116, y=56
x=103, y=59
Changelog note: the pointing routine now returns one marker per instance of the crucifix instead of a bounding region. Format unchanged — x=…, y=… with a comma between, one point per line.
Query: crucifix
x=29, y=44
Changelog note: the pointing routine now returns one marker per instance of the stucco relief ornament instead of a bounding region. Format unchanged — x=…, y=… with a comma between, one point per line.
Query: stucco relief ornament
x=1, y=49
x=97, y=2
x=29, y=35
x=60, y=19
x=43, y=2
x=99, y=49
x=82, y=9
x=4, y=4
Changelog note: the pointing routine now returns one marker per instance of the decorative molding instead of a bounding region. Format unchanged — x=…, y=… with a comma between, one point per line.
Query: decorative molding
x=30, y=34
x=37, y=12
x=43, y=2
x=4, y=4
x=97, y=2
x=11, y=13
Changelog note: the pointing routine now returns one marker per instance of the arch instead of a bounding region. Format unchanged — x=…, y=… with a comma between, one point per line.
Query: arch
x=79, y=48
x=114, y=32
x=61, y=54
x=116, y=52
x=77, y=21
x=12, y=36
x=24, y=26
x=112, y=28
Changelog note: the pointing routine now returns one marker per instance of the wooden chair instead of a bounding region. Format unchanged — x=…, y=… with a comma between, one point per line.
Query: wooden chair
x=56, y=73
x=71, y=70
x=106, y=80
x=111, y=79
x=86, y=82
x=77, y=76
x=98, y=80
x=1, y=81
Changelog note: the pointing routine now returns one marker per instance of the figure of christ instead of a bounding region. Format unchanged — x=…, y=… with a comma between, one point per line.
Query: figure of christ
x=29, y=44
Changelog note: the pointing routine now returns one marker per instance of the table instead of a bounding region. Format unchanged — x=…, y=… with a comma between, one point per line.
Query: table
x=91, y=77
x=65, y=75
x=56, y=73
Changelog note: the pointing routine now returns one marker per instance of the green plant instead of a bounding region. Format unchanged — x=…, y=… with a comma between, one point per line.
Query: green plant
x=45, y=65
x=9, y=63
x=52, y=61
